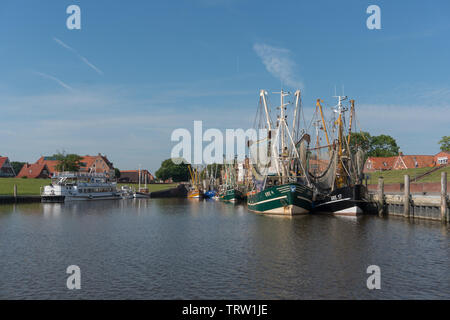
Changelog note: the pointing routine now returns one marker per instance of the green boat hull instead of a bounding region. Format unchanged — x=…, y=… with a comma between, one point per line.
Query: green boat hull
x=287, y=199
x=231, y=195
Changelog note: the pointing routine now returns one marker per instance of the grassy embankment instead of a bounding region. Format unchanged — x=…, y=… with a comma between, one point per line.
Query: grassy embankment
x=32, y=186
x=397, y=176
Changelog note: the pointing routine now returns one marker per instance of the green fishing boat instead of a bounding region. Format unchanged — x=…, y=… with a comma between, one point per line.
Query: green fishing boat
x=231, y=195
x=280, y=184
x=229, y=191
x=287, y=199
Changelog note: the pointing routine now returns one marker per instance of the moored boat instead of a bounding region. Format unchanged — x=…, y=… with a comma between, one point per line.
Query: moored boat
x=337, y=176
x=286, y=199
x=231, y=195
x=281, y=185
x=74, y=186
x=195, y=194
x=345, y=201
x=210, y=194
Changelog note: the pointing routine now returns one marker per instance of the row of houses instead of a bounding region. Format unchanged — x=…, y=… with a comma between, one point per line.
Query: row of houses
x=45, y=167
x=402, y=162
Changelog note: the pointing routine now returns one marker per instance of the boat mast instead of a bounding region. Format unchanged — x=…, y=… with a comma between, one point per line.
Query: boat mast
x=263, y=94
x=139, y=177
x=352, y=111
x=319, y=106
x=340, y=180
x=296, y=111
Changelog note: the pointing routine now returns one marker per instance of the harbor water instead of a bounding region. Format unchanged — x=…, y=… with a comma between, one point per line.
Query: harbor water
x=191, y=249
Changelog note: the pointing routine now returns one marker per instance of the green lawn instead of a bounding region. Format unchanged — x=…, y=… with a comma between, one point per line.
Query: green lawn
x=24, y=186
x=32, y=186
x=397, y=176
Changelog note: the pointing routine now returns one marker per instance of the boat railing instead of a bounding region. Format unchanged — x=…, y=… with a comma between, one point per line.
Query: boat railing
x=72, y=174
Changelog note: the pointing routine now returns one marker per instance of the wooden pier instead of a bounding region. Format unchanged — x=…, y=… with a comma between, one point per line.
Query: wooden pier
x=413, y=206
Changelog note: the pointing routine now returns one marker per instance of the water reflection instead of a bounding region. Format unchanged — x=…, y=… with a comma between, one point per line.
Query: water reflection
x=182, y=248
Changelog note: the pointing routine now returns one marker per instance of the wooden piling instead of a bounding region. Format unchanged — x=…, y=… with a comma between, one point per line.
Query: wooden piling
x=380, y=196
x=444, y=209
x=406, y=198
x=15, y=191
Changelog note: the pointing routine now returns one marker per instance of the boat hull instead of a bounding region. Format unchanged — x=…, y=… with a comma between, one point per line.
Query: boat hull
x=195, y=194
x=231, y=195
x=141, y=195
x=49, y=199
x=210, y=194
x=94, y=197
x=288, y=199
x=346, y=201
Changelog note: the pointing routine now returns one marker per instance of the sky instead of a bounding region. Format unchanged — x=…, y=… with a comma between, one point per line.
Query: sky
x=137, y=70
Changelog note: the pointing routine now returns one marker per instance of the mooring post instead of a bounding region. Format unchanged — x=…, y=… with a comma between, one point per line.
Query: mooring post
x=380, y=196
x=444, y=210
x=15, y=191
x=406, y=195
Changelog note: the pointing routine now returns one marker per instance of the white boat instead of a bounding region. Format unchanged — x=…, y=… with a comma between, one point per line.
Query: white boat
x=142, y=192
x=70, y=186
x=126, y=192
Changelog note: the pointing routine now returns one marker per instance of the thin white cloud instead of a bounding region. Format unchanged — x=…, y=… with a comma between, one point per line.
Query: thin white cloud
x=61, y=83
x=278, y=62
x=86, y=61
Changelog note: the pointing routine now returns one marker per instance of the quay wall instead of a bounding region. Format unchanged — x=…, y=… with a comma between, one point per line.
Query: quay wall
x=19, y=199
x=412, y=200
x=418, y=187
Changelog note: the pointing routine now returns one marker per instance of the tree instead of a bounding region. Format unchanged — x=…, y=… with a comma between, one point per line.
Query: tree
x=360, y=140
x=67, y=162
x=168, y=169
x=445, y=143
x=383, y=146
x=374, y=146
x=116, y=173
x=17, y=166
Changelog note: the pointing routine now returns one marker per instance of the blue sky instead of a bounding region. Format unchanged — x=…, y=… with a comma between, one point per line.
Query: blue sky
x=137, y=70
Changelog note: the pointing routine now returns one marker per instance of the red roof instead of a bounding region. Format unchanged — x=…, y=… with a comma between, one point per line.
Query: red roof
x=2, y=161
x=32, y=170
x=399, y=162
x=87, y=162
x=414, y=161
x=51, y=164
x=380, y=163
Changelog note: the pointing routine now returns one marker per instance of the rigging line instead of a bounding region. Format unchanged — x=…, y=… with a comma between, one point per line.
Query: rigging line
x=343, y=166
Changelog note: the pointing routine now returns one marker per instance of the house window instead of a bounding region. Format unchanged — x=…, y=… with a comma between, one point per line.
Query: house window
x=442, y=160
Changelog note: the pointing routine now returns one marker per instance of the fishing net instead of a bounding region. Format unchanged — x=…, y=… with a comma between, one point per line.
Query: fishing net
x=322, y=169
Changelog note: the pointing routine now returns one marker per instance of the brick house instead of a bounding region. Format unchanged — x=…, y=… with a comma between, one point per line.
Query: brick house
x=34, y=171
x=6, y=169
x=97, y=164
x=402, y=162
x=442, y=158
x=50, y=162
x=132, y=176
